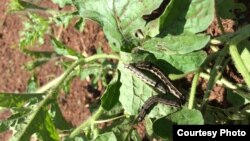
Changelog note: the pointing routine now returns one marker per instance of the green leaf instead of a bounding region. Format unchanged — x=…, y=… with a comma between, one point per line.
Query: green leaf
x=161, y=110
x=18, y=5
x=111, y=95
x=58, y=119
x=62, y=49
x=244, y=48
x=33, y=31
x=67, y=82
x=134, y=92
x=234, y=99
x=62, y=3
x=120, y=19
x=123, y=129
x=16, y=114
x=31, y=65
x=63, y=19
x=116, y=110
x=80, y=24
x=226, y=8
x=187, y=117
x=183, y=62
x=163, y=128
x=90, y=70
x=47, y=128
x=135, y=136
x=32, y=84
x=171, y=45
x=38, y=121
x=109, y=136
x=16, y=100
x=149, y=126
x=19, y=112
x=187, y=16
x=38, y=54
x=26, y=127
x=77, y=138
x=245, y=95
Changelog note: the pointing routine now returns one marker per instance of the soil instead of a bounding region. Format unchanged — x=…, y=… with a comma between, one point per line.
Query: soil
x=14, y=78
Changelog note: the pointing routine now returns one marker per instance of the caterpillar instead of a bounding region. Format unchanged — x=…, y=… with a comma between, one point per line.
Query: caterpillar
x=151, y=102
x=156, y=85
x=157, y=72
x=164, y=86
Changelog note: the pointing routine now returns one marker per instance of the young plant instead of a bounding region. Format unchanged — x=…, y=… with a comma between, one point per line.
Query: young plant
x=137, y=31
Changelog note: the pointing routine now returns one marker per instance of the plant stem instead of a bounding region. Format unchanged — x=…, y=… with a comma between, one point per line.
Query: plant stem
x=222, y=81
x=179, y=76
x=193, y=90
x=222, y=69
x=32, y=116
x=87, y=123
x=54, y=84
x=218, y=19
x=212, y=78
x=108, y=120
x=214, y=71
x=239, y=64
x=62, y=77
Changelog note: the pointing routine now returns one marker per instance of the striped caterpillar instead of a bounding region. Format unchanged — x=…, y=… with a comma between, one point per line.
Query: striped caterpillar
x=164, y=86
x=157, y=72
x=151, y=102
x=158, y=86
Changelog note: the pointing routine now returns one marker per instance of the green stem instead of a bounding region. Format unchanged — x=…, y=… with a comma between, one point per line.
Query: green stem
x=220, y=24
x=32, y=116
x=214, y=71
x=222, y=81
x=239, y=64
x=87, y=123
x=179, y=76
x=218, y=19
x=54, y=84
x=213, y=75
x=62, y=77
x=222, y=69
x=108, y=120
x=193, y=90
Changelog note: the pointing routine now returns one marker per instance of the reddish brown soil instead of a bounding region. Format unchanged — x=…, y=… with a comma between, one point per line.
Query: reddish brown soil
x=14, y=78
